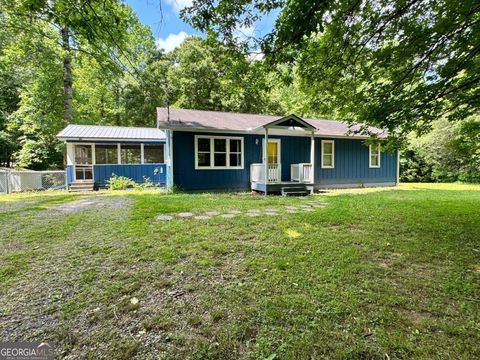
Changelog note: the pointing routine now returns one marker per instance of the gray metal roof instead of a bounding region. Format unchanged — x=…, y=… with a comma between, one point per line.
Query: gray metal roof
x=94, y=132
x=216, y=120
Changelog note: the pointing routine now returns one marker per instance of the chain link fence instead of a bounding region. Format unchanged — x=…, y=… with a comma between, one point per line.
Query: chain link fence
x=12, y=181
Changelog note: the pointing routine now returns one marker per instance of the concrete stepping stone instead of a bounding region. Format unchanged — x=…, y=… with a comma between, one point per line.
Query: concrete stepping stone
x=235, y=212
x=202, y=217
x=165, y=217
x=271, y=210
x=253, y=211
x=228, y=216
x=291, y=211
x=270, y=213
x=212, y=213
x=319, y=205
x=308, y=209
x=185, y=215
x=291, y=207
x=253, y=214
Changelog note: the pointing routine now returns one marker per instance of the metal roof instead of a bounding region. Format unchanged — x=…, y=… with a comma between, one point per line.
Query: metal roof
x=94, y=132
x=185, y=119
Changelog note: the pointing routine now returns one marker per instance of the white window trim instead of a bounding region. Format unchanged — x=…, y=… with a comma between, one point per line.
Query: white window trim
x=370, y=157
x=212, y=152
x=333, y=154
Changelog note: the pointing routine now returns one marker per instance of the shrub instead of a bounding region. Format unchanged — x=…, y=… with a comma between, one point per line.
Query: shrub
x=120, y=183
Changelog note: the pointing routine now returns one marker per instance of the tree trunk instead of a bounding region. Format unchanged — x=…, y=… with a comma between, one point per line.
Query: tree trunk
x=67, y=77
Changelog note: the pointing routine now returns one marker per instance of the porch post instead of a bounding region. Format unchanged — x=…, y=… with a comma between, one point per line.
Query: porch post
x=312, y=155
x=265, y=158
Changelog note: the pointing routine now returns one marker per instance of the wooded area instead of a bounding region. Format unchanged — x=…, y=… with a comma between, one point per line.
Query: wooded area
x=408, y=66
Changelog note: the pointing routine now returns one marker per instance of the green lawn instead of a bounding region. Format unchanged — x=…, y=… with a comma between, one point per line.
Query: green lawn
x=375, y=274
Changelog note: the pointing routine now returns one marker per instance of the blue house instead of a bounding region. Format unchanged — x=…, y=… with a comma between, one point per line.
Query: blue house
x=209, y=150
x=94, y=153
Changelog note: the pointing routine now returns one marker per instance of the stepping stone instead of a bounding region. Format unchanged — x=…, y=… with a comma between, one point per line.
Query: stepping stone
x=271, y=210
x=319, y=205
x=269, y=213
x=234, y=212
x=227, y=216
x=164, y=217
x=212, y=213
x=252, y=214
x=185, y=215
x=202, y=217
x=253, y=211
x=291, y=207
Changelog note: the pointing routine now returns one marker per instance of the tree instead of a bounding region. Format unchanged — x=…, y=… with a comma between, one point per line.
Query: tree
x=397, y=64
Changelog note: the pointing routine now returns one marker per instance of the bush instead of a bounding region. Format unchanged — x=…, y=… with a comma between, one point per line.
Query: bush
x=120, y=183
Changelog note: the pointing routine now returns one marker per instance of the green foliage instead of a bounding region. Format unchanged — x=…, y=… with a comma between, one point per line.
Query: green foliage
x=397, y=64
x=120, y=183
x=450, y=152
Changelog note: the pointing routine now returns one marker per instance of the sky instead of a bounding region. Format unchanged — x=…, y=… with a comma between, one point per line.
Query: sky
x=170, y=30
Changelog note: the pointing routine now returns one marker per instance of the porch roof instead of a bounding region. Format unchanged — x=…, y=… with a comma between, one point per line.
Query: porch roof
x=119, y=133
x=186, y=119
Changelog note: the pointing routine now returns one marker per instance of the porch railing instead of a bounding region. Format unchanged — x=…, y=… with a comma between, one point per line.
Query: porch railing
x=302, y=172
x=257, y=173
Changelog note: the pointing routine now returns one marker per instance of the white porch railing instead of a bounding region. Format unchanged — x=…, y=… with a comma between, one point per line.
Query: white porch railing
x=302, y=172
x=257, y=173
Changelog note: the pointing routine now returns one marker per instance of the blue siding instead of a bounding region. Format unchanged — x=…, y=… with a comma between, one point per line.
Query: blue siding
x=351, y=163
x=70, y=174
x=102, y=173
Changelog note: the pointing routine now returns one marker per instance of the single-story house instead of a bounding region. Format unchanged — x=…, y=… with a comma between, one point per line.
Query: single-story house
x=208, y=150
x=94, y=153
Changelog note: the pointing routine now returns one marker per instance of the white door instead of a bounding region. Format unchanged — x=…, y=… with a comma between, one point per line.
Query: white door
x=83, y=163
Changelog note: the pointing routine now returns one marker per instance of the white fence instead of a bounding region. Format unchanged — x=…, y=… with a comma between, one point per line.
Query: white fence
x=12, y=181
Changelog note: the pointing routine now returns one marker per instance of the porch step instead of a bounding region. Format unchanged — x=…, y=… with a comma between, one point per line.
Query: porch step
x=81, y=186
x=295, y=190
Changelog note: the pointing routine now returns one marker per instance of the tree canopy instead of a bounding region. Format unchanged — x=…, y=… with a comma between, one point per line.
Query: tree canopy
x=398, y=64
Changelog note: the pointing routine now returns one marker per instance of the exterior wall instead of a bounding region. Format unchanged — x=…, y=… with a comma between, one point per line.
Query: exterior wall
x=351, y=163
x=293, y=150
x=101, y=173
x=136, y=172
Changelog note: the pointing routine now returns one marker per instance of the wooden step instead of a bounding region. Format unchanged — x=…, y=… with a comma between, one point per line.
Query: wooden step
x=295, y=190
x=80, y=186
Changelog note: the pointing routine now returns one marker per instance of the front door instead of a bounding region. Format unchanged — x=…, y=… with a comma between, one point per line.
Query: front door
x=273, y=160
x=83, y=163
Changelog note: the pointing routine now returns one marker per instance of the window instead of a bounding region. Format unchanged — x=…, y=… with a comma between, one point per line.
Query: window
x=131, y=154
x=106, y=154
x=374, y=156
x=153, y=154
x=218, y=152
x=328, y=154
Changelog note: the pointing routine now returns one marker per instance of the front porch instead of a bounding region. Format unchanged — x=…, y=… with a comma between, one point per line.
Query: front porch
x=301, y=179
x=267, y=176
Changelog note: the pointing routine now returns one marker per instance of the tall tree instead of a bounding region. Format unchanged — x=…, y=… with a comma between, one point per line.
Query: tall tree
x=398, y=64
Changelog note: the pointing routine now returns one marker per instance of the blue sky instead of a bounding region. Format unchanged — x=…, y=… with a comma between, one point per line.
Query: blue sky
x=171, y=30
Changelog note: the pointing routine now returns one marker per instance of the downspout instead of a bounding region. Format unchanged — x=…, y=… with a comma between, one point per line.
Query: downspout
x=398, y=167
x=265, y=159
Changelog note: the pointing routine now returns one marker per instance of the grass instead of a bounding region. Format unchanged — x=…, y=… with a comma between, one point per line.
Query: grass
x=382, y=273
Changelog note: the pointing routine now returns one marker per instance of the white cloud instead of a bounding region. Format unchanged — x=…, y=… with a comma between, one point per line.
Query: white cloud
x=172, y=41
x=178, y=5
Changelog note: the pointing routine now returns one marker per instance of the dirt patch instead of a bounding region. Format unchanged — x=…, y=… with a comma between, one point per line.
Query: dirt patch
x=90, y=203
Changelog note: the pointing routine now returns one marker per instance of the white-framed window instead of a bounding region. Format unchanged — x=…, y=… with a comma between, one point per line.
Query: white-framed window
x=374, y=156
x=218, y=152
x=328, y=154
